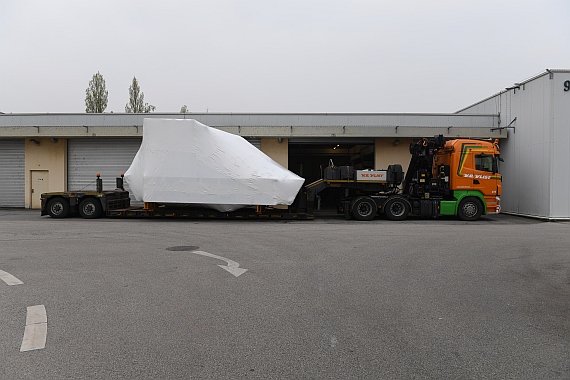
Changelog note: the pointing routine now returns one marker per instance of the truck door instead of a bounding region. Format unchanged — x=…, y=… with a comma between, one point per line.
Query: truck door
x=486, y=179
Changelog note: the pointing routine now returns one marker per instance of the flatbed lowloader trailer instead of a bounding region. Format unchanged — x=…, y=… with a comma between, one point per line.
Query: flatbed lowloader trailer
x=456, y=178
x=116, y=203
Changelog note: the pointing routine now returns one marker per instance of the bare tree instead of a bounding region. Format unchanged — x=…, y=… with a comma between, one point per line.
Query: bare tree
x=96, y=95
x=136, y=102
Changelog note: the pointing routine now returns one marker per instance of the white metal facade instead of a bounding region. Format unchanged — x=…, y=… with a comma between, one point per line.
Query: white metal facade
x=12, y=173
x=536, y=170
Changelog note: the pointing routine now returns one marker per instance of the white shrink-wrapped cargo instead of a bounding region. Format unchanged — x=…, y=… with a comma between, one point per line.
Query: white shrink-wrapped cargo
x=186, y=162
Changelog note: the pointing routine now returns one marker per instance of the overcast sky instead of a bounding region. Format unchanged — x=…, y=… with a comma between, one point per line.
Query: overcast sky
x=276, y=56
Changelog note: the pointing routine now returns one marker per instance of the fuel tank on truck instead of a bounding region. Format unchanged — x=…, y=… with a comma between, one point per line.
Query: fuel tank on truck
x=187, y=162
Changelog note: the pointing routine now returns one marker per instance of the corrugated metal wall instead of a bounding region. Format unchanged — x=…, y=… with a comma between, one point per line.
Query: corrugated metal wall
x=12, y=173
x=560, y=119
x=255, y=142
x=108, y=157
x=536, y=171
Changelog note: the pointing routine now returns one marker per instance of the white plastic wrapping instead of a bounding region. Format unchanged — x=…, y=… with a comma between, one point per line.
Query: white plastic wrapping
x=186, y=162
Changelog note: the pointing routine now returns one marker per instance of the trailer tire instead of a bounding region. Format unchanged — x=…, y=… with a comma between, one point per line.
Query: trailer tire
x=58, y=208
x=396, y=209
x=470, y=209
x=90, y=208
x=364, y=208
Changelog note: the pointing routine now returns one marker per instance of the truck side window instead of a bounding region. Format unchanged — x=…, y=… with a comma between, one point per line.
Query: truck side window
x=484, y=162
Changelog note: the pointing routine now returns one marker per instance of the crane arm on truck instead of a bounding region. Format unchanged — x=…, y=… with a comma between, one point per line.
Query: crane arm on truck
x=421, y=160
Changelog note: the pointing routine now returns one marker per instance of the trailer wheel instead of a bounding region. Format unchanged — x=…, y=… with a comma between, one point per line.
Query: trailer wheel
x=396, y=209
x=58, y=208
x=90, y=208
x=470, y=209
x=364, y=208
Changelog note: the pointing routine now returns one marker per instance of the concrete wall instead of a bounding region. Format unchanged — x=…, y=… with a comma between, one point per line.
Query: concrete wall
x=264, y=125
x=278, y=151
x=49, y=156
x=388, y=151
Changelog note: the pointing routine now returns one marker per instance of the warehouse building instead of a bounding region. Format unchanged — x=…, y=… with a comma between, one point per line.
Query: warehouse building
x=535, y=113
x=56, y=152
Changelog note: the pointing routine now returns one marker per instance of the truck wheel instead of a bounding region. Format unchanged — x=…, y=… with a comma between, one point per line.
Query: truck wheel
x=58, y=208
x=470, y=209
x=396, y=209
x=90, y=208
x=364, y=208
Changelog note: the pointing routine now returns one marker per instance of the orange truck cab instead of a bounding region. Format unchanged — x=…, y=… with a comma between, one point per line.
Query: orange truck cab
x=456, y=177
x=474, y=171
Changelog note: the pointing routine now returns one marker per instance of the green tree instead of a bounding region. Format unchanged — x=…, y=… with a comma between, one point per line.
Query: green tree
x=136, y=102
x=184, y=109
x=96, y=95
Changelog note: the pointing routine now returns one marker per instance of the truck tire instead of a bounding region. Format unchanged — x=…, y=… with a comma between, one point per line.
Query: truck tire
x=58, y=208
x=470, y=209
x=396, y=209
x=90, y=208
x=364, y=208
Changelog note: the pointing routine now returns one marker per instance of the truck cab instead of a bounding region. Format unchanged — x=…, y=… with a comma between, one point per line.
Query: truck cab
x=474, y=169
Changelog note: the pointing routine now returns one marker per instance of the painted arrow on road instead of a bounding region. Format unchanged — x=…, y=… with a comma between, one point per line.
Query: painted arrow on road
x=232, y=266
x=9, y=279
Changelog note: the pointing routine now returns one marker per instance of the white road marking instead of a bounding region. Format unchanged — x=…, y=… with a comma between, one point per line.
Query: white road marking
x=232, y=266
x=9, y=279
x=35, y=333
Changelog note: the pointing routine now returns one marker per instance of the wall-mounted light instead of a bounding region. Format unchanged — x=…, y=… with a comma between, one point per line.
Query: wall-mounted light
x=53, y=140
x=280, y=140
x=396, y=142
x=34, y=141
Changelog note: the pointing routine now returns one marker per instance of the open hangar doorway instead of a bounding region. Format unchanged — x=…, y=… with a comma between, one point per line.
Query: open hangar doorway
x=308, y=158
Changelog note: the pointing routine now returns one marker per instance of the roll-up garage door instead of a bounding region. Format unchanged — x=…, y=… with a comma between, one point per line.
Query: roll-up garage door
x=12, y=173
x=108, y=157
x=255, y=142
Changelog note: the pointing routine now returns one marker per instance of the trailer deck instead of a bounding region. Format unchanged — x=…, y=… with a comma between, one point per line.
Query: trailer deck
x=200, y=213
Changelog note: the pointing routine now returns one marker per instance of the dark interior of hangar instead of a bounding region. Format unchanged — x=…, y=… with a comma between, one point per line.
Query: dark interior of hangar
x=309, y=160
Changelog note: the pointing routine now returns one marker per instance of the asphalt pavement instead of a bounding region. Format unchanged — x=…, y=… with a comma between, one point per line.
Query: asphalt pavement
x=320, y=299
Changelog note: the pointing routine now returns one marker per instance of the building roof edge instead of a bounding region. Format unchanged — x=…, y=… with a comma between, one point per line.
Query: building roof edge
x=530, y=79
